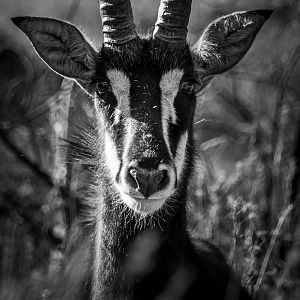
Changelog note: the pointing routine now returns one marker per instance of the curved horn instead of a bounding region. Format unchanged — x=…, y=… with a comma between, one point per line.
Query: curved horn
x=172, y=21
x=117, y=21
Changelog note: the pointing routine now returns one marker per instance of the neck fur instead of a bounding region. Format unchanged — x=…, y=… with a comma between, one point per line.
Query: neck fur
x=129, y=250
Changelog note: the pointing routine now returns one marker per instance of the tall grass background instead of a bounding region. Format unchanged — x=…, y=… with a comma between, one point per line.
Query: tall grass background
x=245, y=194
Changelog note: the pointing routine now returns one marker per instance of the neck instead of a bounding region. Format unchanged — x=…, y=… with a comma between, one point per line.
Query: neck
x=129, y=251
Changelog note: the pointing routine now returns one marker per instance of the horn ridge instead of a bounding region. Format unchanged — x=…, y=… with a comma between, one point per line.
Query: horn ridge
x=172, y=21
x=117, y=21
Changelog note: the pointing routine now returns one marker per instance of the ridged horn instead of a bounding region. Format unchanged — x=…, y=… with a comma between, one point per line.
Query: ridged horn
x=117, y=21
x=172, y=21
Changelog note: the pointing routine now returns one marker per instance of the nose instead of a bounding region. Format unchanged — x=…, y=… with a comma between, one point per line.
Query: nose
x=147, y=181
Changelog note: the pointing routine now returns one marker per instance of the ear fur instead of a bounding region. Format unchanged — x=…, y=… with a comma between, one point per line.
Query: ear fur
x=226, y=40
x=61, y=45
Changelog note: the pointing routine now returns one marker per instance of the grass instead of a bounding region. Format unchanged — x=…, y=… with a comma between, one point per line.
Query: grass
x=245, y=197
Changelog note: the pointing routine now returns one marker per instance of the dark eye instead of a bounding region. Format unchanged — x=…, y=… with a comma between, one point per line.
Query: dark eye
x=103, y=87
x=187, y=87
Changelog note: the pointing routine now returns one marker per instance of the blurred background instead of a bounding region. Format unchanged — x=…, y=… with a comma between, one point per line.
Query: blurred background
x=245, y=197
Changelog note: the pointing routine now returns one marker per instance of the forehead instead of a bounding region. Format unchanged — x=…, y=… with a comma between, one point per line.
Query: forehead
x=144, y=60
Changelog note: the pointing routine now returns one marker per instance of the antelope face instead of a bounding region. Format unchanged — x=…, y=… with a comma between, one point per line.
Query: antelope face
x=143, y=89
x=146, y=106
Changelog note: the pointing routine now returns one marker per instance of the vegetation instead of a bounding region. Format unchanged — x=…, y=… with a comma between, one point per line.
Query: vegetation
x=245, y=197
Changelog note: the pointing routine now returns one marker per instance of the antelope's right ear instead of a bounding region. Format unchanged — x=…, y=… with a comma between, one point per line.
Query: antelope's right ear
x=61, y=45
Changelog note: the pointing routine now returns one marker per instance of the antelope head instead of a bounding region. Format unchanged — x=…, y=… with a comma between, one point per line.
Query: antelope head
x=144, y=88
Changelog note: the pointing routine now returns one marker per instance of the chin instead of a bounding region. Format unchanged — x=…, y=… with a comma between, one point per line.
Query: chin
x=143, y=206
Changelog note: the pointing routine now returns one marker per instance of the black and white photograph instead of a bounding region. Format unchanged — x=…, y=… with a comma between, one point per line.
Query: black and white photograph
x=149, y=150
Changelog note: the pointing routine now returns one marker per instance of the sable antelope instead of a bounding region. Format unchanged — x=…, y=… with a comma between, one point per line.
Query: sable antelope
x=144, y=93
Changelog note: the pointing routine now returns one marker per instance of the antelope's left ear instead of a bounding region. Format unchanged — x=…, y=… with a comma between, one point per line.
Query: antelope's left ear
x=226, y=40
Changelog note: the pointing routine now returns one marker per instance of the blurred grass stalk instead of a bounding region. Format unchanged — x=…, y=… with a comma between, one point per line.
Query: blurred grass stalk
x=275, y=234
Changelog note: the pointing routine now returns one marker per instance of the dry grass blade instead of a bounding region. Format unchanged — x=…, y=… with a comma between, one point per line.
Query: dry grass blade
x=275, y=234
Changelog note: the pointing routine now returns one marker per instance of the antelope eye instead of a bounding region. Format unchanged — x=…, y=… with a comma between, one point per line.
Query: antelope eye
x=103, y=87
x=187, y=87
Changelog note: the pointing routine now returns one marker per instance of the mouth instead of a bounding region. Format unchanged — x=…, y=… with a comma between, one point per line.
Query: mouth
x=143, y=206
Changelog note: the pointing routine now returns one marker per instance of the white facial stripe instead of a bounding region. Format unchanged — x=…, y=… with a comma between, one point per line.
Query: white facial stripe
x=169, y=86
x=112, y=160
x=180, y=153
x=120, y=85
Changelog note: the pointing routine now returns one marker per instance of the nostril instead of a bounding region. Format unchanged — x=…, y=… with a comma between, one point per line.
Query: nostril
x=157, y=181
x=139, y=179
x=164, y=180
x=131, y=178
